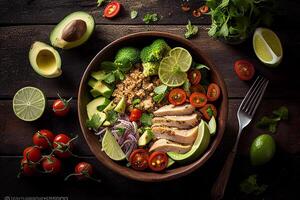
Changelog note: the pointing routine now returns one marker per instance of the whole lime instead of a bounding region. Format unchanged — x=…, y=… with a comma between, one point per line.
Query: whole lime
x=262, y=149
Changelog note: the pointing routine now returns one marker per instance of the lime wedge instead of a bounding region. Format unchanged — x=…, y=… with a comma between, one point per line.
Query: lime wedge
x=173, y=67
x=29, y=103
x=111, y=147
x=267, y=47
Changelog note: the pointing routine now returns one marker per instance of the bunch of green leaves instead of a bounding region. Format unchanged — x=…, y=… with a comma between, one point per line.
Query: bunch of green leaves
x=160, y=93
x=150, y=18
x=94, y=123
x=191, y=30
x=146, y=119
x=236, y=19
x=115, y=70
x=270, y=123
x=112, y=116
x=250, y=186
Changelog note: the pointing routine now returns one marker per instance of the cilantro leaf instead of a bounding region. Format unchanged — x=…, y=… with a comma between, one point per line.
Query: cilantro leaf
x=250, y=186
x=136, y=101
x=282, y=113
x=112, y=116
x=110, y=78
x=160, y=92
x=150, y=18
x=121, y=131
x=146, y=119
x=94, y=123
x=133, y=14
x=191, y=30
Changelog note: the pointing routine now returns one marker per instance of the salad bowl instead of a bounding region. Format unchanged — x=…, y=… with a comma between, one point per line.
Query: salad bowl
x=139, y=40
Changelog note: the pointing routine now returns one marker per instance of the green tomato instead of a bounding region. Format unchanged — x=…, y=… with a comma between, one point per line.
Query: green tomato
x=262, y=149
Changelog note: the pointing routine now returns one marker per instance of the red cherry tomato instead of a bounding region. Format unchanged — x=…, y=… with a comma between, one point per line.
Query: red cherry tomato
x=32, y=154
x=112, y=9
x=213, y=92
x=51, y=165
x=208, y=111
x=158, y=161
x=198, y=100
x=43, y=139
x=194, y=77
x=61, y=107
x=84, y=170
x=204, y=9
x=135, y=115
x=28, y=169
x=62, y=146
x=244, y=70
x=139, y=159
x=177, y=96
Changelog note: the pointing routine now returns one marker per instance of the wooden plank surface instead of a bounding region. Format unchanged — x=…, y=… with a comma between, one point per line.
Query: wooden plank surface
x=15, y=42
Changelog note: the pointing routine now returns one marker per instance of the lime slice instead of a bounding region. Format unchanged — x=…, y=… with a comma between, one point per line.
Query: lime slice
x=111, y=147
x=173, y=67
x=267, y=47
x=29, y=103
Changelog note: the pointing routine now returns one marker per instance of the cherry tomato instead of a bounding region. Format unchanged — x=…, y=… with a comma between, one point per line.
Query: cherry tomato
x=208, y=111
x=194, y=76
x=27, y=168
x=135, y=115
x=139, y=159
x=84, y=170
x=32, y=154
x=198, y=88
x=244, y=70
x=177, y=96
x=198, y=99
x=61, y=107
x=185, y=7
x=43, y=139
x=204, y=9
x=62, y=146
x=197, y=13
x=158, y=161
x=213, y=92
x=51, y=165
x=112, y=9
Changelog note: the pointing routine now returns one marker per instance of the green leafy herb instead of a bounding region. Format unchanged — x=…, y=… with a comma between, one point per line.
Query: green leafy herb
x=160, y=92
x=209, y=111
x=250, y=186
x=146, y=119
x=119, y=75
x=94, y=123
x=191, y=30
x=270, y=123
x=121, y=131
x=150, y=18
x=136, y=101
x=108, y=66
x=100, y=2
x=110, y=78
x=133, y=14
x=112, y=116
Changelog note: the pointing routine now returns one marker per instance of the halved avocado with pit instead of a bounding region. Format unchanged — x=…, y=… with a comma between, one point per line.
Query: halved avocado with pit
x=73, y=30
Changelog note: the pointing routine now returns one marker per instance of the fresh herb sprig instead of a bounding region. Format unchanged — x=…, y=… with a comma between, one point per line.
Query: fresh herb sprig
x=160, y=92
x=191, y=30
x=150, y=18
x=250, y=186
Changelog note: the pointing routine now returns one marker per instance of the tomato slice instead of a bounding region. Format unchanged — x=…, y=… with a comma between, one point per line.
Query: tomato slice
x=177, y=96
x=197, y=13
x=244, y=70
x=158, y=161
x=204, y=9
x=139, y=159
x=208, y=111
x=213, y=92
x=198, y=88
x=112, y=9
x=194, y=77
x=135, y=115
x=198, y=99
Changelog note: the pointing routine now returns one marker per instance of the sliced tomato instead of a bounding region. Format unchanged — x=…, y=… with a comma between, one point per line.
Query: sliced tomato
x=197, y=13
x=198, y=88
x=177, y=96
x=135, y=115
x=139, y=159
x=244, y=70
x=194, y=76
x=204, y=9
x=208, y=111
x=112, y=9
x=158, y=161
x=213, y=92
x=198, y=99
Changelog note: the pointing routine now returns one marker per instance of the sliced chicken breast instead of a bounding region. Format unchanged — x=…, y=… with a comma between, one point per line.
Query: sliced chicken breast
x=174, y=110
x=183, y=122
x=166, y=146
x=175, y=135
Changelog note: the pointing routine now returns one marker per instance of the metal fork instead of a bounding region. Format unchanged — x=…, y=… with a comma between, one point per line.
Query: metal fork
x=245, y=114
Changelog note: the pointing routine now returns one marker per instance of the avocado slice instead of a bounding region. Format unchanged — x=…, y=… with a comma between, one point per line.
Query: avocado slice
x=212, y=125
x=101, y=88
x=99, y=75
x=92, y=108
x=45, y=60
x=170, y=162
x=73, y=30
x=109, y=107
x=106, y=123
x=121, y=106
x=92, y=82
x=146, y=137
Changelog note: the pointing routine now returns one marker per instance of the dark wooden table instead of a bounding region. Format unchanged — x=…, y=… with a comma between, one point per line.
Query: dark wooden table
x=22, y=22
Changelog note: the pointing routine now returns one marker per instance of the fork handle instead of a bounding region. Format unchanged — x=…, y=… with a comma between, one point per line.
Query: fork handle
x=219, y=186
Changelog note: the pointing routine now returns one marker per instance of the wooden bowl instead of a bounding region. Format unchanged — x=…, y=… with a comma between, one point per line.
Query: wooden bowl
x=139, y=40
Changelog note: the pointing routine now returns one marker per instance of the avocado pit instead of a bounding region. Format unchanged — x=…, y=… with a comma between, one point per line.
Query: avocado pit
x=74, y=30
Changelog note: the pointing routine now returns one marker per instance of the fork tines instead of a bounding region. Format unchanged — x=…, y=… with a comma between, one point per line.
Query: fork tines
x=254, y=96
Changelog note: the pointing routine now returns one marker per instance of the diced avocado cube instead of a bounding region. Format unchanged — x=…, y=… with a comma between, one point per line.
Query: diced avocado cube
x=99, y=75
x=106, y=123
x=102, y=89
x=95, y=93
x=146, y=137
x=109, y=107
x=121, y=106
x=92, y=82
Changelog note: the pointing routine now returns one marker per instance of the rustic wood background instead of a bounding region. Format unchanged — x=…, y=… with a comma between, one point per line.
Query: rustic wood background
x=23, y=22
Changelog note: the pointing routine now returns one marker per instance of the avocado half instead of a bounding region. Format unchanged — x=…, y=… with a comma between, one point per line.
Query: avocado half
x=45, y=60
x=73, y=30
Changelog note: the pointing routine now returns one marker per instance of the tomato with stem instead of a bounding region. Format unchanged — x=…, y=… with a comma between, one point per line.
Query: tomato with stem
x=139, y=159
x=62, y=145
x=244, y=70
x=83, y=171
x=43, y=139
x=32, y=154
x=27, y=168
x=177, y=96
x=51, y=165
x=198, y=100
x=208, y=111
x=213, y=92
x=158, y=161
x=61, y=106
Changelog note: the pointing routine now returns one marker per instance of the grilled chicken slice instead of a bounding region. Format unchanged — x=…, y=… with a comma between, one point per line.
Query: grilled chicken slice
x=175, y=135
x=174, y=110
x=166, y=146
x=183, y=122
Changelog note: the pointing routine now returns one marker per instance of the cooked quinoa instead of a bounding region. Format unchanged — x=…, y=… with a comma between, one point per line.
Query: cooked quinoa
x=136, y=85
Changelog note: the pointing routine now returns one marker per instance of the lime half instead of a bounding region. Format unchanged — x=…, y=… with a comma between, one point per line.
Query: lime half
x=173, y=67
x=111, y=147
x=29, y=103
x=267, y=47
